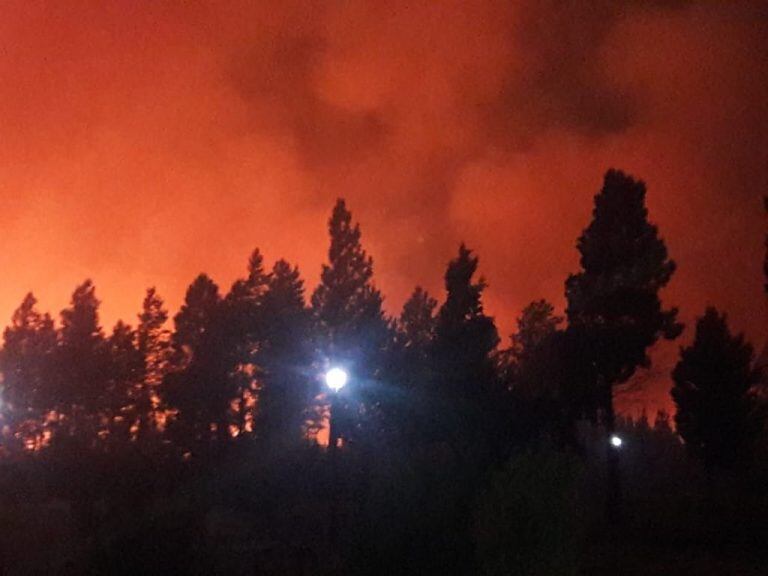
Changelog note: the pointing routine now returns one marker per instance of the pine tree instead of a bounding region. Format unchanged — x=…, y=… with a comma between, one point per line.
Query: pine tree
x=196, y=316
x=124, y=374
x=613, y=302
x=520, y=365
x=350, y=323
x=415, y=337
x=253, y=287
x=201, y=390
x=243, y=324
x=614, y=311
x=417, y=322
x=153, y=341
x=463, y=362
x=26, y=362
x=413, y=369
x=717, y=415
x=284, y=356
x=464, y=336
x=82, y=376
x=535, y=325
x=532, y=369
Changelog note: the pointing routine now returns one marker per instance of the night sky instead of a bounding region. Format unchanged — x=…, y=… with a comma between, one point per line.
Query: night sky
x=143, y=143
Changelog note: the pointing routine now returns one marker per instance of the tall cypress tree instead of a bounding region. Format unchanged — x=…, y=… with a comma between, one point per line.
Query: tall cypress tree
x=717, y=414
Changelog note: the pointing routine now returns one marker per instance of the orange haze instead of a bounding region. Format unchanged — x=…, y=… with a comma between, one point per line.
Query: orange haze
x=144, y=142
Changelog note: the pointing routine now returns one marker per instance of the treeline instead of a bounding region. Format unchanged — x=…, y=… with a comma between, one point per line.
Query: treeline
x=195, y=447
x=247, y=365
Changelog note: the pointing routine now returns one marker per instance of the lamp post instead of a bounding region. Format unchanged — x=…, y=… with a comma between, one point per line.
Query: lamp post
x=335, y=378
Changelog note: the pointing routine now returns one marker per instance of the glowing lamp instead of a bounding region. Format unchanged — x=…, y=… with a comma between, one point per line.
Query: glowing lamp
x=616, y=441
x=336, y=379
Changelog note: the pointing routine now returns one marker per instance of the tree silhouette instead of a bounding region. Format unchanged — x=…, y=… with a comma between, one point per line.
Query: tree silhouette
x=464, y=335
x=201, y=390
x=124, y=376
x=716, y=412
x=412, y=367
x=29, y=345
x=351, y=326
x=242, y=322
x=417, y=322
x=284, y=357
x=613, y=302
x=196, y=316
x=82, y=360
x=415, y=334
x=462, y=354
x=153, y=342
x=535, y=325
x=541, y=359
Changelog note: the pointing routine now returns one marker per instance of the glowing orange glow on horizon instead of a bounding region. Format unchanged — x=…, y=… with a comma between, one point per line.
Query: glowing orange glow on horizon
x=143, y=143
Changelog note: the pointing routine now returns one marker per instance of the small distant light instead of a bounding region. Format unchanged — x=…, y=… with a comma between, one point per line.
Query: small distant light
x=616, y=441
x=336, y=379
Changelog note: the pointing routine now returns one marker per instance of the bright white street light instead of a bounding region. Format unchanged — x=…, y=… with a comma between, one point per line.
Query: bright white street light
x=336, y=379
x=616, y=441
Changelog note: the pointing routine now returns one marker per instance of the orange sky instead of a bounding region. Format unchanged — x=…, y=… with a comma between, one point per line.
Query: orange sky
x=142, y=143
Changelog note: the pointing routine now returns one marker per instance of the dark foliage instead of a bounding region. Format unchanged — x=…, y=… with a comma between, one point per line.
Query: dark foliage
x=717, y=415
x=198, y=449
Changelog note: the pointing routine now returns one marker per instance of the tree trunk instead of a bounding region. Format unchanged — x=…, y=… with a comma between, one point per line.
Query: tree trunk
x=613, y=496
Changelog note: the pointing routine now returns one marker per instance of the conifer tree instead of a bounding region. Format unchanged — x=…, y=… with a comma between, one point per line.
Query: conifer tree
x=201, y=390
x=531, y=369
x=535, y=325
x=464, y=336
x=350, y=323
x=413, y=369
x=153, y=341
x=284, y=357
x=124, y=374
x=416, y=325
x=613, y=302
x=463, y=362
x=717, y=414
x=614, y=310
x=26, y=362
x=82, y=375
x=243, y=326
x=196, y=317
